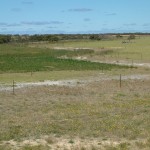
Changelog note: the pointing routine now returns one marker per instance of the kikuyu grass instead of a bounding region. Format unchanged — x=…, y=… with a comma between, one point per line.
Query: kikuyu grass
x=49, y=61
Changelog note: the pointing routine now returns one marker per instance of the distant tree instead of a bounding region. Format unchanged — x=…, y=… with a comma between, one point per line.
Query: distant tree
x=131, y=37
x=5, y=39
x=118, y=36
x=95, y=37
x=92, y=37
x=54, y=39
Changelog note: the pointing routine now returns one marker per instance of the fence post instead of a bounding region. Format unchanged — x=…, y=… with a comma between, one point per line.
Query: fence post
x=13, y=87
x=120, y=81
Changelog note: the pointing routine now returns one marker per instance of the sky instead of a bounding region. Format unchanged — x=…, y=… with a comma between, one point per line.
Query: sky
x=74, y=16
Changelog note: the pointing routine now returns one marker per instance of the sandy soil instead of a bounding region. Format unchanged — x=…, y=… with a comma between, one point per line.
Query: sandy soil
x=62, y=143
x=119, y=62
x=74, y=82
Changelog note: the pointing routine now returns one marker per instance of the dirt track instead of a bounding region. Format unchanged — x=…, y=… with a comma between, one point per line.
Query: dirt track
x=75, y=82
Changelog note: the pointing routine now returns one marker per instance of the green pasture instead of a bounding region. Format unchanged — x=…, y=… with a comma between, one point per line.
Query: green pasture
x=40, y=61
x=137, y=49
x=24, y=59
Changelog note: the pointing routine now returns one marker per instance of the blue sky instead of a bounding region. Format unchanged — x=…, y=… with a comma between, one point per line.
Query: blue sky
x=74, y=16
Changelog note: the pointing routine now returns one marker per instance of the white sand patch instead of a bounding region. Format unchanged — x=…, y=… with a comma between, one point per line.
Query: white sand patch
x=147, y=65
x=73, y=83
x=44, y=83
x=67, y=143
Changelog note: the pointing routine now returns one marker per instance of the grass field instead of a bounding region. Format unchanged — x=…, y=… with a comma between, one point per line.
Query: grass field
x=98, y=114
x=45, y=60
x=136, y=49
x=99, y=110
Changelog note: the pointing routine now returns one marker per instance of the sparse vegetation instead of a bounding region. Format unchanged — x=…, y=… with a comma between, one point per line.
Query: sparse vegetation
x=71, y=141
x=95, y=113
x=39, y=147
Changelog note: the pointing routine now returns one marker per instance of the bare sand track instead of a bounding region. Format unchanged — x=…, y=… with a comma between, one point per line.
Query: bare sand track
x=49, y=142
x=147, y=65
x=75, y=82
x=118, y=62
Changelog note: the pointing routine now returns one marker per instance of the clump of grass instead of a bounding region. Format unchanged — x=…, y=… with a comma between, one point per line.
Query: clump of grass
x=71, y=141
x=94, y=147
x=5, y=147
x=105, y=52
x=104, y=139
x=50, y=140
x=110, y=147
x=83, y=148
x=15, y=132
x=121, y=95
x=38, y=147
x=142, y=145
x=123, y=146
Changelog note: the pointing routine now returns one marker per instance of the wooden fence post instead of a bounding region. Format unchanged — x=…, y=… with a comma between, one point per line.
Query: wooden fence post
x=13, y=87
x=120, y=81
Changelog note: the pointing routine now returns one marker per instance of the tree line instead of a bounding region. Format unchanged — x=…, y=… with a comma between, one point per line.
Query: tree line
x=60, y=37
x=5, y=38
